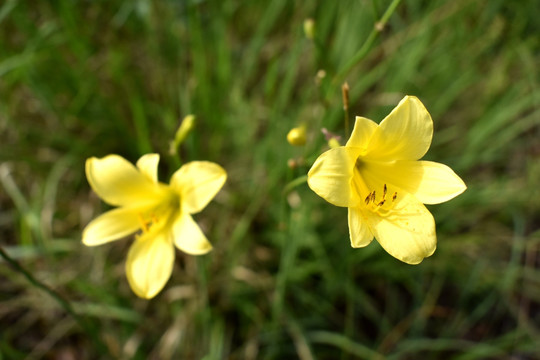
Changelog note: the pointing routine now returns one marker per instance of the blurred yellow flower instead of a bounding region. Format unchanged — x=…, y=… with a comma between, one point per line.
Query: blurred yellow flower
x=162, y=214
x=378, y=176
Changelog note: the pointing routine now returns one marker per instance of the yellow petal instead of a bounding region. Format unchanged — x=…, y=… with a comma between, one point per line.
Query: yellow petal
x=149, y=263
x=188, y=236
x=407, y=231
x=112, y=225
x=429, y=182
x=148, y=166
x=405, y=134
x=119, y=183
x=331, y=175
x=197, y=183
x=438, y=183
x=362, y=132
x=359, y=229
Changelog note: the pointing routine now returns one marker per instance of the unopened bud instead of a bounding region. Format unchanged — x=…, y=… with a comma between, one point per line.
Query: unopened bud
x=345, y=95
x=309, y=28
x=291, y=163
x=331, y=138
x=297, y=136
x=333, y=143
x=321, y=74
x=183, y=130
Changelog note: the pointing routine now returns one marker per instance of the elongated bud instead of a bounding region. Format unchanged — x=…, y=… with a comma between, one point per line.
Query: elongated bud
x=309, y=28
x=183, y=130
x=345, y=95
x=297, y=136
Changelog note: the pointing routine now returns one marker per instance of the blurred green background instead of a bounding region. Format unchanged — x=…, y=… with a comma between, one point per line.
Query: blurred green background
x=90, y=78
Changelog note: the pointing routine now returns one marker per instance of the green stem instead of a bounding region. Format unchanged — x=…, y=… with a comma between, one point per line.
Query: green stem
x=294, y=183
x=338, y=79
x=58, y=298
x=347, y=126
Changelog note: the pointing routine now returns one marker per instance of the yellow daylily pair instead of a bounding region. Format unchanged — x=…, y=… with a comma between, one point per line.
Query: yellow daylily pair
x=378, y=177
x=162, y=214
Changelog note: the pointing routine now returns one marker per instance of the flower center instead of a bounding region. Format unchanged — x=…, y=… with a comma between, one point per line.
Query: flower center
x=160, y=215
x=371, y=201
x=383, y=203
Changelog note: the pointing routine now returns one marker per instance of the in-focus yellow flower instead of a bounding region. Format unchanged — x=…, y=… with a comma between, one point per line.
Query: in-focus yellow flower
x=378, y=176
x=162, y=214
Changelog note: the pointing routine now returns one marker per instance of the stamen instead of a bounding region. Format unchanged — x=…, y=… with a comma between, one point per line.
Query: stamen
x=372, y=196
x=144, y=224
x=383, y=199
x=368, y=199
x=147, y=221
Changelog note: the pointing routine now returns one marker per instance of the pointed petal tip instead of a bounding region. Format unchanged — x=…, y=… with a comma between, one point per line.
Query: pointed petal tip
x=204, y=250
x=148, y=166
x=462, y=188
x=142, y=294
x=362, y=132
x=188, y=236
x=459, y=188
x=86, y=242
x=412, y=98
x=417, y=260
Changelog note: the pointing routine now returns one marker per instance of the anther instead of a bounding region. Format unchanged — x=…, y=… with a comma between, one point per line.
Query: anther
x=371, y=198
x=144, y=225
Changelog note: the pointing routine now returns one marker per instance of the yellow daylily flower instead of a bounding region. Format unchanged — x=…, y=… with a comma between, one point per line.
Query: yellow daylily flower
x=379, y=177
x=162, y=214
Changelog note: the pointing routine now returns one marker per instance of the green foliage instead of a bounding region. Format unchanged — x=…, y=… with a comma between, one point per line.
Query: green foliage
x=81, y=79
